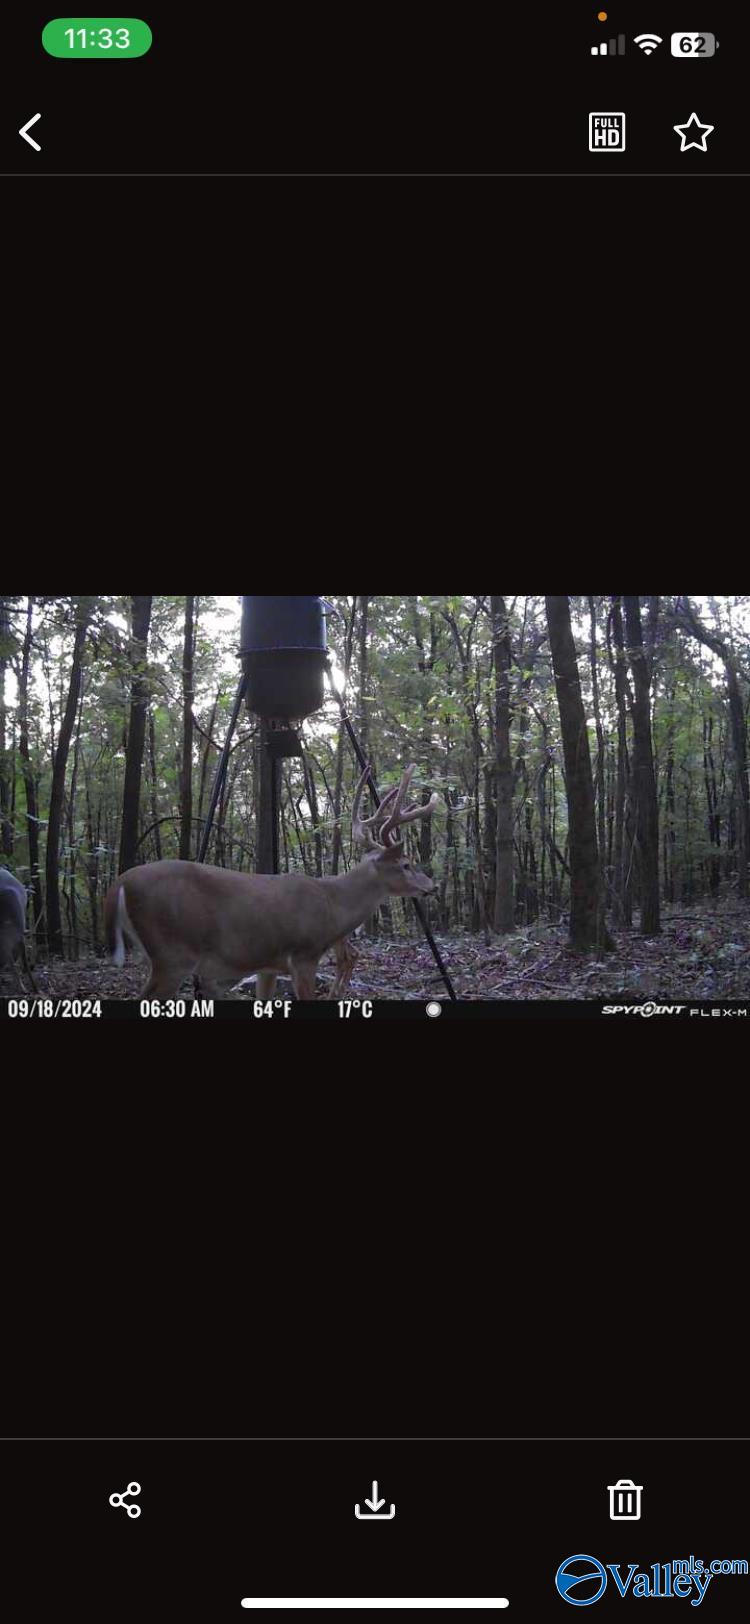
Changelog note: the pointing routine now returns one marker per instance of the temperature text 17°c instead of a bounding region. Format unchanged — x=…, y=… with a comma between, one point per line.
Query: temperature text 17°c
x=355, y=1006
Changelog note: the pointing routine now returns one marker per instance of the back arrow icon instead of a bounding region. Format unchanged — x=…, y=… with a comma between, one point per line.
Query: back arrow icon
x=24, y=132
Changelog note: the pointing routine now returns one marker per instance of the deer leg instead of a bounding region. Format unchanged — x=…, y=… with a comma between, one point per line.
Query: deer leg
x=27, y=967
x=207, y=989
x=17, y=975
x=346, y=959
x=303, y=978
x=165, y=982
x=265, y=984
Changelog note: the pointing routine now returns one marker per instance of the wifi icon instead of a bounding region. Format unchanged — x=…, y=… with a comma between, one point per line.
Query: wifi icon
x=649, y=43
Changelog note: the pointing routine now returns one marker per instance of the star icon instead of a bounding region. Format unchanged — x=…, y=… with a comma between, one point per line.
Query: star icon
x=692, y=129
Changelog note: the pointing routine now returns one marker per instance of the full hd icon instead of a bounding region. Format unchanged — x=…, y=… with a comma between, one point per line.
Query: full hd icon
x=606, y=132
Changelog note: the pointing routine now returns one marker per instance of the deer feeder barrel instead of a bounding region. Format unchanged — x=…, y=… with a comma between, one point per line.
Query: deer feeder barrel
x=284, y=653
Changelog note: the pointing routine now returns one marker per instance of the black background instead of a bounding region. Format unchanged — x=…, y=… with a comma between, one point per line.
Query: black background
x=209, y=1241
x=397, y=89
x=223, y=1520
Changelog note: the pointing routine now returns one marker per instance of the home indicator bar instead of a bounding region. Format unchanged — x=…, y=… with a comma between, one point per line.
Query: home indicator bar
x=382, y=1601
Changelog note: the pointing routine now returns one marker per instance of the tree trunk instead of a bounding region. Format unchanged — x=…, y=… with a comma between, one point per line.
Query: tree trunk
x=6, y=824
x=139, y=695
x=223, y=858
x=312, y=797
x=587, y=927
x=32, y=809
x=372, y=927
x=72, y=844
x=338, y=796
x=425, y=662
x=364, y=707
x=339, y=789
x=600, y=751
x=298, y=821
x=188, y=696
x=483, y=922
x=92, y=861
x=712, y=805
x=622, y=888
x=154, y=792
x=691, y=623
x=449, y=866
x=83, y=610
x=670, y=836
x=204, y=764
x=504, y=902
x=527, y=853
x=737, y=717
x=490, y=834
x=644, y=781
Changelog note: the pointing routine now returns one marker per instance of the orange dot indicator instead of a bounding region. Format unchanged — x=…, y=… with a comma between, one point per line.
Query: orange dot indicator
x=602, y=15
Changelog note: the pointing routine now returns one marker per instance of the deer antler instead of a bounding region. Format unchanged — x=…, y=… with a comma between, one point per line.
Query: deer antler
x=363, y=828
x=390, y=815
x=399, y=814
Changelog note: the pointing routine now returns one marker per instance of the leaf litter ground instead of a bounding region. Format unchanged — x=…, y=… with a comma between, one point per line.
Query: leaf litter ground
x=702, y=953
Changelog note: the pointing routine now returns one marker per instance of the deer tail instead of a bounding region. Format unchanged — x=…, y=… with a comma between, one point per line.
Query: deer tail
x=115, y=917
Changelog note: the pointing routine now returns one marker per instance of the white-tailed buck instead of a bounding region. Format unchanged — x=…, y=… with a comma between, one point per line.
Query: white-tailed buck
x=215, y=924
x=13, y=926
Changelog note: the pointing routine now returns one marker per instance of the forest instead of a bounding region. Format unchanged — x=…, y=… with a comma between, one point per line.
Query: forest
x=581, y=770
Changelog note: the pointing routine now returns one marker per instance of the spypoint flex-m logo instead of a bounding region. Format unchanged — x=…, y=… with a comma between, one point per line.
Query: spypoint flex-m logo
x=582, y=1579
x=647, y=1009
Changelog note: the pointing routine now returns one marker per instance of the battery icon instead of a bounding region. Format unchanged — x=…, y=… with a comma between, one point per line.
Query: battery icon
x=694, y=45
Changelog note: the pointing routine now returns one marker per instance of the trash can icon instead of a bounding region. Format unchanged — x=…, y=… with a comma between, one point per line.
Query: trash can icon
x=624, y=1500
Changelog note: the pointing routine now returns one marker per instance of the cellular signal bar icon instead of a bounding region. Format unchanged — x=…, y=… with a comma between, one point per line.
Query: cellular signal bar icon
x=612, y=47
